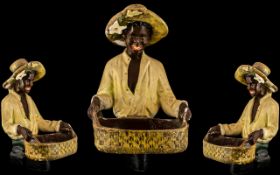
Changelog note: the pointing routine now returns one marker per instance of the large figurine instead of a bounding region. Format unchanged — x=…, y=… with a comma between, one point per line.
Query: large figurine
x=20, y=116
x=260, y=118
x=133, y=83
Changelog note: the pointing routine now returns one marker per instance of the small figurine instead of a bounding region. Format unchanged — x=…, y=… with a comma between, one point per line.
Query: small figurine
x=20, y=116
x=260, y=118
x=133, y=83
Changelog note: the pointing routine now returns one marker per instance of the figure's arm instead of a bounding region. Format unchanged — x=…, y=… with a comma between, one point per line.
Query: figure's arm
x=45, y=125
x=13, y=130
x=228, y=129
x=168, y=101
x=50, y=125
x=104, y=97
x=8, y=124
x=233, y=128
x=105, y=90
x=94, y=108
x=26, y=133
x=272, y=122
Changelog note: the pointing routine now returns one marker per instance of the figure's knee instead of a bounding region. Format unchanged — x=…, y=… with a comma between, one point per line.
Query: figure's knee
x=17, y=156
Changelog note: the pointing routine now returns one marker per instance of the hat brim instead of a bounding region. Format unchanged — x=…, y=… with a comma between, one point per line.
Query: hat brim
x=119, y=22
x=248, y=69
x=33, y=65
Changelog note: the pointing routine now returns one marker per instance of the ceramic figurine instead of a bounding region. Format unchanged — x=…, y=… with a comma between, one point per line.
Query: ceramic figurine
x=133, y=83
x=260, y=118
x=21, y=119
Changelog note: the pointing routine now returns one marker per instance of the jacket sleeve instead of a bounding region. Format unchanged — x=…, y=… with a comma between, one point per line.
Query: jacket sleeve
x=272, y=121
x=45, y=125
x=168, y=101
x=105, y=90
x=9, y=127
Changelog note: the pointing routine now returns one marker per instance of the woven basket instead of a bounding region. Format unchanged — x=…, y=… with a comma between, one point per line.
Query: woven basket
x=140, y=136
x=228, y=150
x=51, y=146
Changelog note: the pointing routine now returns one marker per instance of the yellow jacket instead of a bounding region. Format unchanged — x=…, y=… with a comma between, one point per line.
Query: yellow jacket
x=267, y=118
x=13, y=115
x=151, y=92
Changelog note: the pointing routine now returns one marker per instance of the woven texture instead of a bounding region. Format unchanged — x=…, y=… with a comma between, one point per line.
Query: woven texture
x=131, y=141
x=51, y=150
x=229, y=154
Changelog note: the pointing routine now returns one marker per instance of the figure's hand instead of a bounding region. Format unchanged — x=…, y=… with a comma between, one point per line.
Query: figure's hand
x=65, y=127
x=215, y=130
x=254, y=136
x=26, y=133
x=185, y=113
x=94, y=107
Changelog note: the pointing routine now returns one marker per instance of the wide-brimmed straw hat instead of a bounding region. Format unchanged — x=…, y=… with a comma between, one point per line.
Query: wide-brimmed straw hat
x=20, y=65
x=132, y=13
x=257, y=68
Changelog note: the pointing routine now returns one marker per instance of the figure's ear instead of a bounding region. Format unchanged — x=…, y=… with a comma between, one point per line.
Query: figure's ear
x=17, y=85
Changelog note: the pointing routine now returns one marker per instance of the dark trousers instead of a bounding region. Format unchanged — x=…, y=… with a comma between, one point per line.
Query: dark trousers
x=261, y=162
x=18, y=159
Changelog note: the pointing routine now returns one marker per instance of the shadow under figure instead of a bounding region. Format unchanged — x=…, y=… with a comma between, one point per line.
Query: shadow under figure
x=133, y=83
x=259, y=121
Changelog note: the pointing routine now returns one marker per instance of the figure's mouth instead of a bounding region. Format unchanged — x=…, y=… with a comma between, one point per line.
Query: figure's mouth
x=137, y=47
x=27, y=88
x=252, y=92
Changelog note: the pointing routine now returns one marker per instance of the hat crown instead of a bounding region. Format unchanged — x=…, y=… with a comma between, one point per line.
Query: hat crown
x=135, y=12
x=262, y=67
x=135, y=6
x=17, y=64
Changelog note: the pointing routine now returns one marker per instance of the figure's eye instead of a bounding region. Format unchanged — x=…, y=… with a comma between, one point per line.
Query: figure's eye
x=136, y=35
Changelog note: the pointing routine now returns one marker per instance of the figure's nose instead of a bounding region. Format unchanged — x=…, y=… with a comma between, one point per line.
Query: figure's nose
x=250, y=86
x=138, y=39
x=28, y=83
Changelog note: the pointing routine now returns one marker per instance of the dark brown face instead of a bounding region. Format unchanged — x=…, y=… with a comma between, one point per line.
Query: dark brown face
x=253, y=86
x=136, y=39
x=28, y=82
x=25, y=85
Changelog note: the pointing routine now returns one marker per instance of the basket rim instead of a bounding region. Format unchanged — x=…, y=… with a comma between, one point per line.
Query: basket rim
x=184, y=126
x=230, y=147
x=75, y=137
